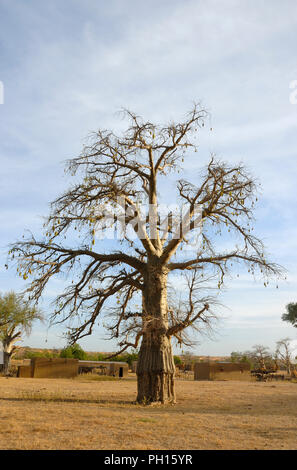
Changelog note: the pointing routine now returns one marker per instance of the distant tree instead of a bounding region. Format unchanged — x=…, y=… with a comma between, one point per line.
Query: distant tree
x=16, y=318
x=240, y=357
x=261, y=357
x=284, y=353
x=188, y=357
x=74, y=351
x=100, y=357
x=177, y=360
x=235, y=356
x=291, y=314
x=131, y=356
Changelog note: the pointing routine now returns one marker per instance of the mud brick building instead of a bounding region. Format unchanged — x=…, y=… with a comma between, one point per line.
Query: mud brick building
x=49, y=368
x=222, y=371
x=68, y=368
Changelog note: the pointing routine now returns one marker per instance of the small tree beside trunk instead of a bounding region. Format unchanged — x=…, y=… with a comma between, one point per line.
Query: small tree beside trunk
x=16, y=318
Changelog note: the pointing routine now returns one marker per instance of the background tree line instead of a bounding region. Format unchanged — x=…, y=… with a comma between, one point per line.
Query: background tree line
x=260, y=357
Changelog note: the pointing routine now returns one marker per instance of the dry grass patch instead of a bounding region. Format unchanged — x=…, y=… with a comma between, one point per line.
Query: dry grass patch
x=94, y=414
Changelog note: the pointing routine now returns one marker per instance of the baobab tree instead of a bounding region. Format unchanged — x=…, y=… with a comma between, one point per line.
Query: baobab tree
x=117, y=174
x=261, y=357
x=284, y=353
x=16, y=318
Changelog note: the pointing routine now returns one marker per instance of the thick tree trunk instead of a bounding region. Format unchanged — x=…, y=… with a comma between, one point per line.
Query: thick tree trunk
x=6, y=362
x=9, y=348
x=155, y=365
x=155, y=370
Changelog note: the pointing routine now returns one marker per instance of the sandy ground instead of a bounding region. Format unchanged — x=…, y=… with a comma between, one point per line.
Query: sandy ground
x=88, y=414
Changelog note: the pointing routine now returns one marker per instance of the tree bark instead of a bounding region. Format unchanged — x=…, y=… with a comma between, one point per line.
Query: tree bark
x=155, y=370
x=9, y=348
x=6, y=362
x=155, y=365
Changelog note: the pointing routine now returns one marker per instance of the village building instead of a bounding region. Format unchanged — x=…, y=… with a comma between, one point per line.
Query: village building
x=222, y=371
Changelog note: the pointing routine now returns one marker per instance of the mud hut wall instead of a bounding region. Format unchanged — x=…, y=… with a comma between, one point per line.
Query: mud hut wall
x=230, y=371
x=222, y=371
x=201, y=371
x=54, y=368
x=25, y=371
x=119, y=369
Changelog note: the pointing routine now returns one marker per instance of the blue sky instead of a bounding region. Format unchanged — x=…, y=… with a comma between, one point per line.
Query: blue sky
x=68, y=66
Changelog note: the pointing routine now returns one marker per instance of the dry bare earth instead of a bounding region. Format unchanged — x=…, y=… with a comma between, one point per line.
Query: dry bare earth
x=89, y=414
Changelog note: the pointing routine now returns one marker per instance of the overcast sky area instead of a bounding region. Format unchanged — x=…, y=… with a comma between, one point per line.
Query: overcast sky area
x=68, y=66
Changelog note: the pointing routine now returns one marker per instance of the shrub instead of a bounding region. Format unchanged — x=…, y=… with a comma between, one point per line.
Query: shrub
x=74, y=351
x=177, y=360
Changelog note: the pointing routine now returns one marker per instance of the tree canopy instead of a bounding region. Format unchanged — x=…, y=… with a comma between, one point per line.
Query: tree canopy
x=74, y=351
x=16, y=317
x=291, y=314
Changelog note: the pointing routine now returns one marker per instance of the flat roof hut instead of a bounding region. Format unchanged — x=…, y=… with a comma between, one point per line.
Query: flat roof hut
x=49, y=368
x=222, y=371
